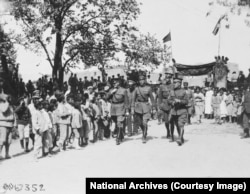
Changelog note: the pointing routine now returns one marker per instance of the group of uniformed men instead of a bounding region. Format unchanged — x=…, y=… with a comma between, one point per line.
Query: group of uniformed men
x=137, y=103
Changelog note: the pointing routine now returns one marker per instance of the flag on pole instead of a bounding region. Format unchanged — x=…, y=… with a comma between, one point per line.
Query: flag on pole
x=218, y=25
x=167, y=38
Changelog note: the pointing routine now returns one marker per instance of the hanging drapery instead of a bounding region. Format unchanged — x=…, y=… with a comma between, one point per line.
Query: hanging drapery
x=194, y=70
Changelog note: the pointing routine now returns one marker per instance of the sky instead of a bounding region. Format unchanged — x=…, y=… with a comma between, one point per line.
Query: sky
x=192, y=39
x=191, y=31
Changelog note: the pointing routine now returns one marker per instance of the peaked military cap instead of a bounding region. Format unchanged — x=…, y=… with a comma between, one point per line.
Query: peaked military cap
x=178, y=77
x=131, y=82
x=169, y=71
x=142, y=75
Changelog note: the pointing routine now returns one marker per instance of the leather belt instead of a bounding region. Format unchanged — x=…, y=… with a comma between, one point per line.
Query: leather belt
x=141, y=101
x=117, y=102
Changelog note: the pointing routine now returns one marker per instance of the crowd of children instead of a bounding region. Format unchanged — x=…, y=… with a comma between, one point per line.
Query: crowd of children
x=65, y=119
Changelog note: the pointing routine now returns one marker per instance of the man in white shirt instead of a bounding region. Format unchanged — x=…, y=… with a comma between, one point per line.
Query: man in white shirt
x=90, y=91
x=31, y=106
x=64, y=121
x=199, y=101
x=69, y=102
x=95, y=114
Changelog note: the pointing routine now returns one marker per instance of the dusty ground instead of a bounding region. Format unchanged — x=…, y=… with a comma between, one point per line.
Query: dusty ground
x=209, y=151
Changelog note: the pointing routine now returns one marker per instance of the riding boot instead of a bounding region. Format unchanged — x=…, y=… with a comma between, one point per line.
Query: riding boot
x=246, y=133
x=168, y=130
x=7, y=148
x=172, y=132
x=26, y=144
x=32, y=137
x=144, y=137
x=180, y=140
x=119, y=136
x=189, y=119
x=22, y=144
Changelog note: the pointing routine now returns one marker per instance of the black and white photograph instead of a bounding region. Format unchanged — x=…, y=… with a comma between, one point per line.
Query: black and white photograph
x=123, y=89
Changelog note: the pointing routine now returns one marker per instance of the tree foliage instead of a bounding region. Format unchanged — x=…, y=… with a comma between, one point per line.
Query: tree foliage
x=8, y=66
x=7, y=51
x=144, y=49
x=81, y=30
x=233, y=7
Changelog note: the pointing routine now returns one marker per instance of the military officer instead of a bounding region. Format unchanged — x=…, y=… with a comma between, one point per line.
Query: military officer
x=179, y=100
x=190, y=106
x=141, y=106
x=159, y=111
x=246, y=114
x=130, y=120
x=164, y=95
x=119, y=107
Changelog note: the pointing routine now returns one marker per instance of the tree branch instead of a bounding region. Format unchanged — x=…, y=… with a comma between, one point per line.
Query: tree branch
x=67, y=8
x=42, y=44
x=69, y=34
x=46, y=51
x=102, y=49
x=70, y=59
x=97, y=15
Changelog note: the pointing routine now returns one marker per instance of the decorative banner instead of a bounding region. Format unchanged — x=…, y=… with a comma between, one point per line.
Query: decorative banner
x=194, y=70
x=220, y=75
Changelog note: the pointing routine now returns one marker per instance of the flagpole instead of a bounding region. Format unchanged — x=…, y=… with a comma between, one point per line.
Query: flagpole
x=219, y=42
x=171, y=45
x=164, y=55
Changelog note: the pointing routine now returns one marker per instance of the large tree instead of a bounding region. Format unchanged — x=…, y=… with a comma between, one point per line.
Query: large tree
x=99, y=52
x=7, y=51
x=75, y=27
x=7, y=61
x=143, y=49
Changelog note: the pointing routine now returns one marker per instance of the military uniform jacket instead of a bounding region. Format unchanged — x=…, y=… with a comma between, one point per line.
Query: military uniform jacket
x=179, y=108
x=119, y=102
x=130, y=97
x=163, y=97
x=246, y=102
x=140, y=101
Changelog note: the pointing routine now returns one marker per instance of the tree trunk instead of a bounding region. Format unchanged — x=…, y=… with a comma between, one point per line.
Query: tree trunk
x=61, y=77
x=8, y=88
x=103, y=73
x=5, y=66
x=58, y=53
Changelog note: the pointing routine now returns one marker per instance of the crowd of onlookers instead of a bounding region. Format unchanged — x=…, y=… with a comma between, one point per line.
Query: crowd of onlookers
x=240, y=81
x=53, y=119
x=219, y=104
x=79, y=113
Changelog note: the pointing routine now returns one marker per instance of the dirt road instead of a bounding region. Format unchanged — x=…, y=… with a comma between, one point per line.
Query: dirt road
x=209, y=151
